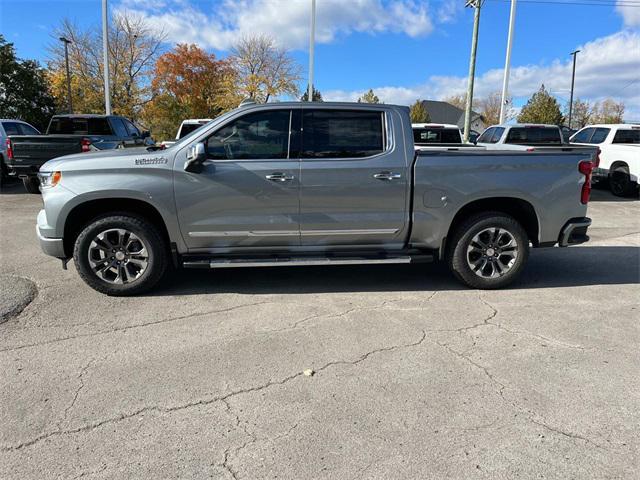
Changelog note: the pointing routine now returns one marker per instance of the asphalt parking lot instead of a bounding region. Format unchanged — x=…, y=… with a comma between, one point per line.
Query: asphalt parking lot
x=415, y=376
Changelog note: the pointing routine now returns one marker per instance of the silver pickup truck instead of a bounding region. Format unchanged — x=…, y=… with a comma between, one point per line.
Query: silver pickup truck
x=308, y=184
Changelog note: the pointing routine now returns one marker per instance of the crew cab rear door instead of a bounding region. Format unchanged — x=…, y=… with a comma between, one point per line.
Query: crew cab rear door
x=354, y=178
x=247, y=193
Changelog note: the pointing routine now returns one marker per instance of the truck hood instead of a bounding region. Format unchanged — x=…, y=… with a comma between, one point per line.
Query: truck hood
x=105, y=159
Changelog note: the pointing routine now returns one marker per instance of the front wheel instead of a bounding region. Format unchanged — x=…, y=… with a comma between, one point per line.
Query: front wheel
x=488, y=250
x=31, y=184
x=120, y=255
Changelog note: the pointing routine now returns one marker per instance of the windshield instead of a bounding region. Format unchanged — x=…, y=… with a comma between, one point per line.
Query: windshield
x=196, y=132
x=428, y=135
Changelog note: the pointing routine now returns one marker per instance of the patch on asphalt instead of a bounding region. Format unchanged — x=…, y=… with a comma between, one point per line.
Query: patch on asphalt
x=15, y=294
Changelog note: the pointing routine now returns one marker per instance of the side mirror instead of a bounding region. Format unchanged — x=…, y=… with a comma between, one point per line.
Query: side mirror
x=196, y=155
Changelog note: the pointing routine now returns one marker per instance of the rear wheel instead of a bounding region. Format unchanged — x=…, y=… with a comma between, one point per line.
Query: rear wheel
x=488, y=250
x=120, y=255
x=620, y=182
x=31, y=184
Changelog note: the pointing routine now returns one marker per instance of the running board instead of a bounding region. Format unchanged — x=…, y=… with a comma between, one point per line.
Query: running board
x=299, y=261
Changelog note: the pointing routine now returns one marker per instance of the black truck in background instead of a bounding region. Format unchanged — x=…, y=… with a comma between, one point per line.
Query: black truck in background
x=67, y=134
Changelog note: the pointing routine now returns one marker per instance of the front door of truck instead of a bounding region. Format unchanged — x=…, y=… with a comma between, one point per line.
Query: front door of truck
x=354, y=179
x=247, y=192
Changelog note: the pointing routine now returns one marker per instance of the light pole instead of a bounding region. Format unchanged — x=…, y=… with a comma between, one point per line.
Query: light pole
x=312, y=41
x=507, y=63
x=472, y=65
x=573, y=79
x=66, y=42
x=105, y=57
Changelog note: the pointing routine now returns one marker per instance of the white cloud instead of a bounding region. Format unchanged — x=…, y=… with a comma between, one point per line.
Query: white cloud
x=285, y=20
x=630, y=13
x=606, y=67
x=449, y=10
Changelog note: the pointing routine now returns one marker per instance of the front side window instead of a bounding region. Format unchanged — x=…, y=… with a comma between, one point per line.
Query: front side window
x=132, y=130
x=118, y=125
x=487, y=135
x=342, y=133
x=583, y=136
x=260, y=135
x=627, y=136
x=599, y=135
x=497, y=135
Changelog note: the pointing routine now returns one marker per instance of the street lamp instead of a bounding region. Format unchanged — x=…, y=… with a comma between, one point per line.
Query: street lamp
x=66, y=42
x=573, y=78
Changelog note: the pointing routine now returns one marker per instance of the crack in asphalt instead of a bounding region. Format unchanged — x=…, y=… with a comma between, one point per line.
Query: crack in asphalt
x=202, y=402
x=83, y=370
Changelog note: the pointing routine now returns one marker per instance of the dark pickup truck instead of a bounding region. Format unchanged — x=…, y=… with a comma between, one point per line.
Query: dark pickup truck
x=69, y=134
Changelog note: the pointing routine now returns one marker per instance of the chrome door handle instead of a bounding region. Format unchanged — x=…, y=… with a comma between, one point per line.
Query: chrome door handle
x=279, y=177
x=387, y=176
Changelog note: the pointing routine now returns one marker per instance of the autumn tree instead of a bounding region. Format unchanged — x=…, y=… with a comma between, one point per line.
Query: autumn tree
x=188, y=83
x=542, y=107
x=133, y=49
x=458, y=100
x=580, y=114
x=418, y=113
x=263, y=69
x=489, y=108
x=24, y=92
x=369, y=97
x=608, y=111
x=317, y=96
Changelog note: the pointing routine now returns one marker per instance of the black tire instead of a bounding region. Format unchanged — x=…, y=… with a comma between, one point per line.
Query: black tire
x=31, y=184
x=150, y=238
x=459, y=258
x=620, y=182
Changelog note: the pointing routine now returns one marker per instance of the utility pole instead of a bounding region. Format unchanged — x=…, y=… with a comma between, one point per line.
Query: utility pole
x=105, y=57
x=573, y=79
x=507, y=63
x=312, y=41
x=472, y=65
x=66, y=42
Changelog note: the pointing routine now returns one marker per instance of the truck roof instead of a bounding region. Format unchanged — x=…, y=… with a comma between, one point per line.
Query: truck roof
x=624, y=126
x=434, y=125
x=524, y=125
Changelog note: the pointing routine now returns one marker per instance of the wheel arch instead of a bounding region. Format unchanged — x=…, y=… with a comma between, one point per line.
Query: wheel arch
x=80, y=215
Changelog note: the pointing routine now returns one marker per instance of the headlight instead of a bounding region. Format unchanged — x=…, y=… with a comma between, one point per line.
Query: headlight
x=49, y=179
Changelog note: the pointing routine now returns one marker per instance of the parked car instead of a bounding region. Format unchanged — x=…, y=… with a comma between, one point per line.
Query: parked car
x=521, y=136
x=69, y=134
x=185, y=128
x=309, y=184
x=11, y=127
x=619, y=154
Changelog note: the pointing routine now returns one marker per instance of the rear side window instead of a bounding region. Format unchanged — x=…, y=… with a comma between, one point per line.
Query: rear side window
x=583, y=136
x=260, y=135
x=627, y=136
x=28, y=129
x=79, y=126
x=534, y=136
x=427, y=135
x=599, y=135
x=342, y=133
x=487, y=135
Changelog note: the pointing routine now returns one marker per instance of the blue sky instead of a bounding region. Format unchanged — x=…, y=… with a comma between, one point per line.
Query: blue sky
x=403, y=49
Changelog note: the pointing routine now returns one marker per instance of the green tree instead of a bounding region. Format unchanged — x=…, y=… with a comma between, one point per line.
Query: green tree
x=369, y=97
x=24, y=92
x=317, y=96
x=418, y=113
x=542, y=107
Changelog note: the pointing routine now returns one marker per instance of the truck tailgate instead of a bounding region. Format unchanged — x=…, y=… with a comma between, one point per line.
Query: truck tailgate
x=35, y=150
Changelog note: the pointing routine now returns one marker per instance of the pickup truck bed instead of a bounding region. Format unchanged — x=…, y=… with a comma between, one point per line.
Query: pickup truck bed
x=254, y=188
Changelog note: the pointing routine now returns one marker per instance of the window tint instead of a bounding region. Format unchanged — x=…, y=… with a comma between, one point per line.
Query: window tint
x=599, y=135
x=187, y=128
x=79, y=126
x=627, y=136
x=341, y=134
x=583, y=136
x=486, y=135
x=120, y=129
x=261, y=135
x=28, y=129
x=11, y=128
x=132, y=130
x=534, y=136
x=497, y=134
x=427, y=135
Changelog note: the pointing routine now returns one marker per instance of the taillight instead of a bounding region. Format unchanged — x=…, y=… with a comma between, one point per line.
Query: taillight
x=585, y=168
x=9, y=150
x=85, y=145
